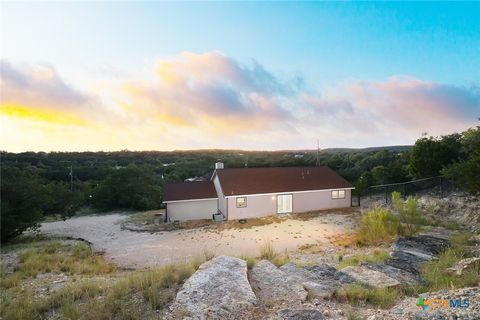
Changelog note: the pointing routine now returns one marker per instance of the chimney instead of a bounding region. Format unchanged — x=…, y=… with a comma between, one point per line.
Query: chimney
x=218, y=164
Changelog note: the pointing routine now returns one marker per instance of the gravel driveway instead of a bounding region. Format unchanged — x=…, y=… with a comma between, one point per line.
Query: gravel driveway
x=140, y=249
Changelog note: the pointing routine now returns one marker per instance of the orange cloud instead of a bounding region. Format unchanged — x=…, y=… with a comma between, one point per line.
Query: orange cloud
x=213, y=101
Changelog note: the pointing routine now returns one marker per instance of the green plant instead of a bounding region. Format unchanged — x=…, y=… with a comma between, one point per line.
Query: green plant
x=410, y=216
x=434, y=272
x=378, y=226
x=378, y=256
x=359, y=295
x=251, y=261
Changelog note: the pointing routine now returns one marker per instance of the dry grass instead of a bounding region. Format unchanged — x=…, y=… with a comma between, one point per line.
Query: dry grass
x=358, y=295
x=304, y=216
x=377, y=256
x=111, y=294
x=434, y=272
x=268, y=252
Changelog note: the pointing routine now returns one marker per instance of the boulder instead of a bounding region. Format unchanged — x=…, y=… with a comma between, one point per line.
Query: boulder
x=463, y=265
x=400, y=275
x=320, y=281
x=317, y=291
x=424, y=245
x=300, y=314
x=371, y=278
x=406, y=261
x=274, y=285
x=218, y=290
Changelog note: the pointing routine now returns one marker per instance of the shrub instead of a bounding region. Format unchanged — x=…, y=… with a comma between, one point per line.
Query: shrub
x=378, y=226
x=410, y=216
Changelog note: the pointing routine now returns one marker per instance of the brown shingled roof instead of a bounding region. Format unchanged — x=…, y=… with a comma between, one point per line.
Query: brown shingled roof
x=189, y=191
x=241, y=181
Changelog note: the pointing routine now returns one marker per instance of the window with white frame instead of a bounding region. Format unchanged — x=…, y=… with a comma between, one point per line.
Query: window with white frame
x=241, y=202
x=338, y=194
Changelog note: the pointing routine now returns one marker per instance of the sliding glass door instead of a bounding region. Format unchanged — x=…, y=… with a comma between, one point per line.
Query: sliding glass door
x=284, y=203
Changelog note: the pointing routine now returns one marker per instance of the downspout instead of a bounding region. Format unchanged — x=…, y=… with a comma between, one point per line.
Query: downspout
x=166, y=209
x=226, y=207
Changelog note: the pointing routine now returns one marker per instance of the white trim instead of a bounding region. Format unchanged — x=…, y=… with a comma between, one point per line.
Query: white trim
x=268, y=194
x=187, y=200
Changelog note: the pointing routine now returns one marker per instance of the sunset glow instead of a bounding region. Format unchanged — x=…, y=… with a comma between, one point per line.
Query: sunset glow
x=155, y=87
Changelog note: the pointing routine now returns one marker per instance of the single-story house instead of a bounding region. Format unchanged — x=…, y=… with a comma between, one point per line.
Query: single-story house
x=241, y=193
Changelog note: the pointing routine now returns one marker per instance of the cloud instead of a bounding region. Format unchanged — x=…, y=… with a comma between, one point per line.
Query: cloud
x=212, y=92
x=210, y=100
x=396, y=110
x=37, y=85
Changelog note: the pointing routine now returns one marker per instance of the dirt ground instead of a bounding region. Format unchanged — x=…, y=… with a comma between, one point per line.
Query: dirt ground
x=141, y=249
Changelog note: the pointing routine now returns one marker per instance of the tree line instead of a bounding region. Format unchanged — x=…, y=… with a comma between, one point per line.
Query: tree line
x=38, y=184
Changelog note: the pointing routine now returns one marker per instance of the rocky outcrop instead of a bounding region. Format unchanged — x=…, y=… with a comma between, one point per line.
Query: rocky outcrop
x=463, y=265
x=300, y=314
x=271, y=284
x=218, y=290
x=400, y=275
x=409, y=253
x=370, y=277
x=320, y=281
x=457, y=208
x=409, y=308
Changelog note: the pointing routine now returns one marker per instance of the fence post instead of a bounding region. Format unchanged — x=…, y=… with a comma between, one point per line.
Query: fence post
x=441, y=187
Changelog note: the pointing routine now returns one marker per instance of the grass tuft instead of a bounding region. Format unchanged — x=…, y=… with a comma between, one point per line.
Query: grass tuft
x=267, y=252
x=360, y=296
x=378, y=256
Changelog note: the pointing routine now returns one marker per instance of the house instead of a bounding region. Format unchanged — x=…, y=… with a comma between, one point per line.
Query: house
x=241, y=193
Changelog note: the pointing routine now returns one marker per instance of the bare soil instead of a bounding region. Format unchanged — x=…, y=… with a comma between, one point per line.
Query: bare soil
x=131, y=249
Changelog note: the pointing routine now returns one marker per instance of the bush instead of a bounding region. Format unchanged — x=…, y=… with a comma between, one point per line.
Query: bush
x=410, y=217
x=378, y=226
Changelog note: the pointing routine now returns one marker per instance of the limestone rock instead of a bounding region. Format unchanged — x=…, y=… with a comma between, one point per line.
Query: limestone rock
x=424, y=245
x=300, y=314
x=463, y=265
x=316, y=290
x=369, y=277
x=218, y=290
x=320, y=281
x=274, y=285
x=400, y=275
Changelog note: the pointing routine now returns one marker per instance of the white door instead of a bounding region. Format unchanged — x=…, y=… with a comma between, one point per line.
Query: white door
x=284, y=203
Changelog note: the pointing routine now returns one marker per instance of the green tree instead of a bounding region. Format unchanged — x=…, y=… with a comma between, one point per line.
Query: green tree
x=466, y=171
x=22, y=200
x=132, y=187
x=429, y=155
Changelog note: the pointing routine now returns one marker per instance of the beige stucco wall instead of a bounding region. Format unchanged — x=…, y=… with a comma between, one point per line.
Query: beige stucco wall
x=221, y=198
x=319, y=200
x=265, y=205
x=191, y=210
x=257, y=206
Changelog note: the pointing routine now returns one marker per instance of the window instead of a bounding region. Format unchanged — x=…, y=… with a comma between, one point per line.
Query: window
x=338, y=194
x=241, y=202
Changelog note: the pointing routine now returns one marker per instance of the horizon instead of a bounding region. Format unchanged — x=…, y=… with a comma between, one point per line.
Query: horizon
x=212, y=149
x=235, y=76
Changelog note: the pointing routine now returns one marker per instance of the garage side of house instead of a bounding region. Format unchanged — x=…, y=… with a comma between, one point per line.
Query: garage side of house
x=190, y=201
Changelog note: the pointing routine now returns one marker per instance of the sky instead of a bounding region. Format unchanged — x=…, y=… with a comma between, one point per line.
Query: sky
x=108, y=76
